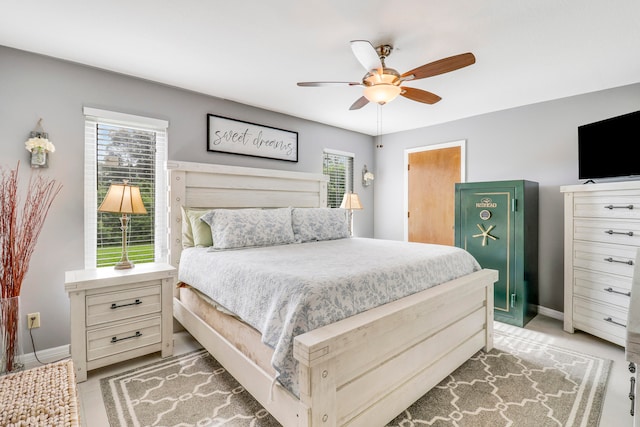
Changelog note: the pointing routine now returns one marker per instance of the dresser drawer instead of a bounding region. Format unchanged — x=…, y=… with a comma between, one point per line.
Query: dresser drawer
x=602, y=320
x=123, y=304
x=614, y=231
x=610, y=204
x=605, y=258
x=124, y=336
x=606, y=288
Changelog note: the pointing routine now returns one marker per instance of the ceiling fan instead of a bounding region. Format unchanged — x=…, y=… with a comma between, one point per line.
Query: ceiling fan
x=382, y=84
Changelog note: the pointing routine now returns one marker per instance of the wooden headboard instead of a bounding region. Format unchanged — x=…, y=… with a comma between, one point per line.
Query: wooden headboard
x=204, y=185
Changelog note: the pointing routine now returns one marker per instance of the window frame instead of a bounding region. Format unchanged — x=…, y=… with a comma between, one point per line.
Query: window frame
x=349, y=173
x=93, y=116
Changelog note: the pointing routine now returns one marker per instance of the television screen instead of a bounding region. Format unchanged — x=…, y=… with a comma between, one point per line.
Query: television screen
x=606, y=149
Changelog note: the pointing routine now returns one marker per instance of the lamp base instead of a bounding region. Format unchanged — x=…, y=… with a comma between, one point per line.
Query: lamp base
x=124, y=262
x=123, y=265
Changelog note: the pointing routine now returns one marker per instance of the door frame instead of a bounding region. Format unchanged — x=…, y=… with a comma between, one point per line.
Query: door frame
x=462, y=143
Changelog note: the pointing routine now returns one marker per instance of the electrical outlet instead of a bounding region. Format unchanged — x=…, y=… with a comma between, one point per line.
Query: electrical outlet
x=33, y=320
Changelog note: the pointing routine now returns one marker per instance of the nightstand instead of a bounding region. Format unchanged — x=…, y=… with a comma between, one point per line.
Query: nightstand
x=118, y=315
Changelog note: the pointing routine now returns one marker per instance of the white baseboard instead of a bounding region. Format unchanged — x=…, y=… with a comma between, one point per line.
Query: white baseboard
x=551, y=313
x=46, y=356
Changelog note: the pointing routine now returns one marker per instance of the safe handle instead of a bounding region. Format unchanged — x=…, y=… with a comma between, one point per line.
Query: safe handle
x=626, y=233
x=618, y=207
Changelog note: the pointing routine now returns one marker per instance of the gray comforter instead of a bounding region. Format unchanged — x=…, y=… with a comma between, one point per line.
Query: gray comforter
x=286, y=290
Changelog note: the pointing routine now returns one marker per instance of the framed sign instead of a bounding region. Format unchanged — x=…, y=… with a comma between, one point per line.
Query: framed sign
x=249, y=139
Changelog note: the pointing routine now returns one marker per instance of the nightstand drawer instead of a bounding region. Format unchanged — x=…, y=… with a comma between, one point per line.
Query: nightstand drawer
x=123, y=337
x=114, y=306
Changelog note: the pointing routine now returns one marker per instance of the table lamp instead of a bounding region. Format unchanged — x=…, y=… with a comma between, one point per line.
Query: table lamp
x=351, y=202
x=123, y=199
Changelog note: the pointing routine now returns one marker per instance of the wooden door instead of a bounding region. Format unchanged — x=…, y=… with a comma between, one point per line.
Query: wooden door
x=431, y=178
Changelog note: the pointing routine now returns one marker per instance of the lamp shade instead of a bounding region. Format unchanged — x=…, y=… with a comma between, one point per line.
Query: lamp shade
x=381, y=93
x=351, y=201
x=123, y=198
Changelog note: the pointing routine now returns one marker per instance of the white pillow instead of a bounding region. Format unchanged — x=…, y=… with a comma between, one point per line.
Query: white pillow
x=314, y=224
x=240, y=228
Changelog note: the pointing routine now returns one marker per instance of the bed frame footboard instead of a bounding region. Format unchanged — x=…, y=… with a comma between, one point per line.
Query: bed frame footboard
x=366, y=369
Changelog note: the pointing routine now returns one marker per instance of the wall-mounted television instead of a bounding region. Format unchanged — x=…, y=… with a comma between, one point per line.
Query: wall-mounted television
x=606, y=149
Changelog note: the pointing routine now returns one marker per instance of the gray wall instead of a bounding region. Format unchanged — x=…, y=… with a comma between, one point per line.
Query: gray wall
x=537, y=142
x=33, y=87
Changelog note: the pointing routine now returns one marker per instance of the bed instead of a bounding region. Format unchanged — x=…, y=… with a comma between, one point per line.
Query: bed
x=362, y=370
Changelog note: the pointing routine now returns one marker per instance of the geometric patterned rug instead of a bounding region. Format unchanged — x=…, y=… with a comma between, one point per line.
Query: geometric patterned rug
x=520, y=382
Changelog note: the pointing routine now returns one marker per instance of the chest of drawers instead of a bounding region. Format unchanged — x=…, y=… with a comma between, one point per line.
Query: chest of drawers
x=601, y=239
x=119, y=314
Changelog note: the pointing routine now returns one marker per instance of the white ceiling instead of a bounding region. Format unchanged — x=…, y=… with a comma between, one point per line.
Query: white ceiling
x=254, y=52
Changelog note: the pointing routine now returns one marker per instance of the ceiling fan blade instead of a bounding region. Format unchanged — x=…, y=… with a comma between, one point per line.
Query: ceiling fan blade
x=318, y=84
x=360, y=102
x=366, y=54
x=440, y=67
x=419, y=95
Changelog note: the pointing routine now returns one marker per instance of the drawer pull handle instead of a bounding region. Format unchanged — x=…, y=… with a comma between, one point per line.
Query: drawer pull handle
x=116, y=339
x=630, y=262
x=632, y=395
x=628, y=233
x=114, y=305
x=613, y=291
x=610, y=320
x=619, y=207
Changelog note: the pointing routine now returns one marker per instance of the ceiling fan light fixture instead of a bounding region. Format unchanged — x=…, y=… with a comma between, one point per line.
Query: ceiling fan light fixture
x=382, y=84
x=381, y=93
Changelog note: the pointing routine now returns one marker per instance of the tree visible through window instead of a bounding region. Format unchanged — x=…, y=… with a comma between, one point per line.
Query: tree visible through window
x=124, y=153
x=339, y=167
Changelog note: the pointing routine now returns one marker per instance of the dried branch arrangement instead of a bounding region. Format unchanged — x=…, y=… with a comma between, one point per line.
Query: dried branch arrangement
x=19, y=231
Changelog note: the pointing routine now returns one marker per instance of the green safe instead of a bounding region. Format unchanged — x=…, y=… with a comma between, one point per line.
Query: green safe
x=497, y=222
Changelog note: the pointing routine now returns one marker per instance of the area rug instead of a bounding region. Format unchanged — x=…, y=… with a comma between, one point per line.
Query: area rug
x=520, y=382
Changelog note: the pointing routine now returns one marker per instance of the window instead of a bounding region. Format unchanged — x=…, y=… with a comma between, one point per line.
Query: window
x=339, y=167
x=122, y=147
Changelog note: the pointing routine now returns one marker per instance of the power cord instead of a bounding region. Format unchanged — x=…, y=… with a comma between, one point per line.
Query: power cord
x=33, y=319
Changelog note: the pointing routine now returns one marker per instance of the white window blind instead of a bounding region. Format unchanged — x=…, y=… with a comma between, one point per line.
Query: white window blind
x=124, y=147
x=339, y=167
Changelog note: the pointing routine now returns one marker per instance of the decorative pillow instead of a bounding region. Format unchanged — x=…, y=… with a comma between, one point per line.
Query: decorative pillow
x=194, y=231
x=239, y=228
x=312, y=224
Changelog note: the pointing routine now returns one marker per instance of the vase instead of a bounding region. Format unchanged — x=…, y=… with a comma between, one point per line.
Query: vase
x=10, y=342
x=38, y=159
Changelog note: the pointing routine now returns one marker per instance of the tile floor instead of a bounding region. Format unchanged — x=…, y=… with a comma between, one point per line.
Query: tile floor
x=616, y=404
